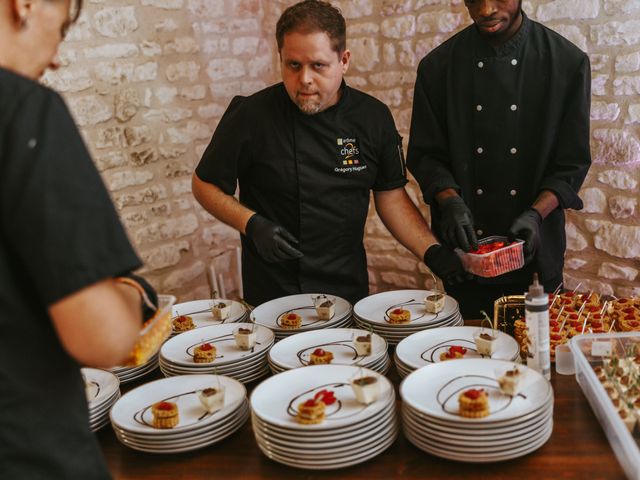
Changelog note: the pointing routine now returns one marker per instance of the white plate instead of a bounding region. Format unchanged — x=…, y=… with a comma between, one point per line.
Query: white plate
x=220, y=435
x=179, y=349
x=275, y=400
x=476, y=444
x=245, y=376
x=294, y=351
x=327, y=436
x=200, y=312
x=425, y=347
x=483, y=457
x=374, y=309
x=268, y=314
x=100, y=386
x=434, y=390
x=132, y=412
x=340, y=462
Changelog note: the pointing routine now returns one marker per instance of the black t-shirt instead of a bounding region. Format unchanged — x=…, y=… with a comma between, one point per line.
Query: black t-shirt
x=313, y=175
x=499, y=125
x=59, y=232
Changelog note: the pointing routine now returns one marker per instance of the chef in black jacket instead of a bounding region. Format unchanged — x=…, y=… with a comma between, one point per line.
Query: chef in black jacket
x=499, y=141
x=306, y=154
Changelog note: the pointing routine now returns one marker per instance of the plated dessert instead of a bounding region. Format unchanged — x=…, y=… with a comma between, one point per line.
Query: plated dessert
x=362, y=344
x=434, y=303
x=212, y=399
x=245, y=338
x=366, y=389
x=221, y=310
x=182, y=323
x=473, y=403
x=453, y=353
x=290, y=320
x=205, y=353
x=399, y=315
x=325, y=307
x=509, y=382
x=320, y=357
x=165, y=414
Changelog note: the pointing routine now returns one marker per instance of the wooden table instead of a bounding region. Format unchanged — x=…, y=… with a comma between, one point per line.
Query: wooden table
x=577, y=449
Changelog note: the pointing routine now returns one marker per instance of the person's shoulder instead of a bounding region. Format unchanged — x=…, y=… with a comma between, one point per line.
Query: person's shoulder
x=17, y=91
x=441, y=54
x=568, y=49
x=366, y=102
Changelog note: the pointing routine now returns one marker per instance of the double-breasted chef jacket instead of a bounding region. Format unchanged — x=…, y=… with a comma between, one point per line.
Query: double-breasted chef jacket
x=499, y=125
x=313, y=175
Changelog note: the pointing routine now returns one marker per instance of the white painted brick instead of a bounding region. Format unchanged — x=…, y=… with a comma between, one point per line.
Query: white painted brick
x=206, y=8
x=574, y=9
x=355, y=8
x=616, y=33
x=119, y=180
x=634, y=113
x=604, y=111
x=399, y=27
x=618, y=179
x=147, y=195
x=595, y=201
x=165, y=255
x=622, y=207
x=365, y=53
x=615, y=147
x=169, y=229
x=193, y=92
x=116, y=22
x=573, y=34
x=613, y=271
x=150, y=49
x=68, y=80
x=628, y=63
x=225, y=68
x=246, y=46
x=164, y=4
x=90, y=110
x=165, y=95
x=621, y=7
x=178, y=278
x=182, y=45
x=182, y=70
x=114, y=50
x=575, y=240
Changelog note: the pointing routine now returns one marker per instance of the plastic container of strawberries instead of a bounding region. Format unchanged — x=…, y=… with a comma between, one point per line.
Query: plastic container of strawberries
x=497, y=262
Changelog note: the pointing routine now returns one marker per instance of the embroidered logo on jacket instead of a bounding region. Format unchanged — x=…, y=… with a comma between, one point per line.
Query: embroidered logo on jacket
x=349, y=159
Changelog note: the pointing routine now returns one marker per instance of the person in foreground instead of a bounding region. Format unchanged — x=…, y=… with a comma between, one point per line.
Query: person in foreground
x=306, y=153
x=61, y=245
x=499, y=142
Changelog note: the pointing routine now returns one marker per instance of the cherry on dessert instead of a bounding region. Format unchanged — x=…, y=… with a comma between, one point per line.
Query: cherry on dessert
x=473, y=393
x=291, y=316
x=397, y=311
x=319, y=352
x=310, y=403
x=164, y=406
x=205, y=347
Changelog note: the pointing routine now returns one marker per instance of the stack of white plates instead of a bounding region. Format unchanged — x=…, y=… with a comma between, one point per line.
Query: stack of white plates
x=129, y=374
x=372, y=313
x=132, y=419
x=176, y=355
x=514, y=427
x=201, y=315
x=424, y=348
x=295, y=351
x=350, y=434
x=102, y=389
x=268, y=314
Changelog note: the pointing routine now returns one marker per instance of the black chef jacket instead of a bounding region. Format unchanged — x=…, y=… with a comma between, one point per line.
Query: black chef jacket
x=59, y=233
x=312, y=174
x=499, y=125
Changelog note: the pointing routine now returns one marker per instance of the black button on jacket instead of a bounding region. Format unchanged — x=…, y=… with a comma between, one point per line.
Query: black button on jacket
x=312, y=174
x=499, y=125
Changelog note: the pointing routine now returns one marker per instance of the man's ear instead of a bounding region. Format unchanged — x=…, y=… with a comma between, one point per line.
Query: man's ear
x=22, y=10
x=345, y=60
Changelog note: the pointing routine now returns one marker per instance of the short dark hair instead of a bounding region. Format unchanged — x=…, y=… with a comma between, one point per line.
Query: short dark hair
x=310, y=16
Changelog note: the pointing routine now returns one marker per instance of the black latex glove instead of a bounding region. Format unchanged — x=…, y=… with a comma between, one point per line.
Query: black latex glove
x=457, y=224
x=527, y=227
x=445, y=264
x=272, y=241
x=147, y=310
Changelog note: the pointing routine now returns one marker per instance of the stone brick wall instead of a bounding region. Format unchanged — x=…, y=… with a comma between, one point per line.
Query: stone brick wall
x=148, y=80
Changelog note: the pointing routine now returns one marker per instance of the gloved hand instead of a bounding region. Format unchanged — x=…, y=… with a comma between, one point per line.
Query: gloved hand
x=457, y=224
x=445, y=264
x=527, y=227
x=272, y=241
